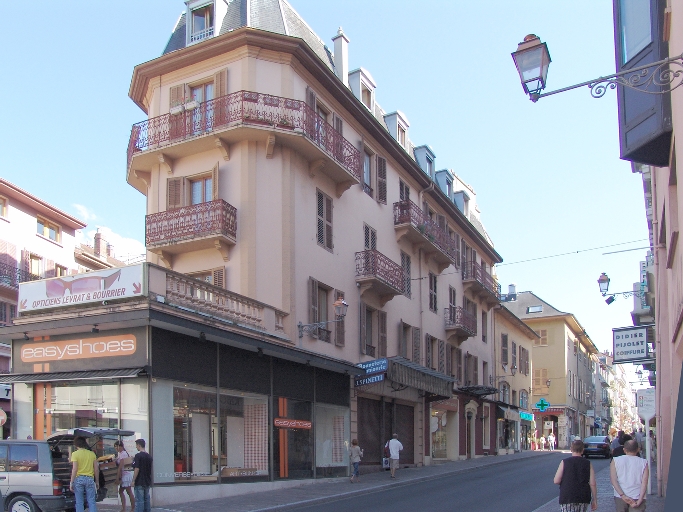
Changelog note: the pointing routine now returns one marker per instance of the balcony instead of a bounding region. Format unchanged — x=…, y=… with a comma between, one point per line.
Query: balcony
x=201, y=226
x=240, y=116
x=460, y=324
x=480, y=283
x=377, y=274
x=415, y=226
x=11, y=276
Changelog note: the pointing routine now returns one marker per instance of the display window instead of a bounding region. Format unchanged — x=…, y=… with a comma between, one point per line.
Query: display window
x=332, y=432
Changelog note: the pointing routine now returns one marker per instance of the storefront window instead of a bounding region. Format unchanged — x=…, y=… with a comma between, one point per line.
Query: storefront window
x=438, y=429
x=293, y=439
x=332, y=431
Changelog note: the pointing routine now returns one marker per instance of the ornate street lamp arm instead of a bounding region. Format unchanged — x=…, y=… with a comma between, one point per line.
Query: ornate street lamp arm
x=635, y=293
x=312, y=328
x=639, y=78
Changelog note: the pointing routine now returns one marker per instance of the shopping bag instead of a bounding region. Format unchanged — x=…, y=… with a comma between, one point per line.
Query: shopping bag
x=385, y=463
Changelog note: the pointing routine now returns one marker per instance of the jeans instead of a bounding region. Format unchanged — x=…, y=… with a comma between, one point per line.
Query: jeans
x=84, y=487
x=142, y=498
x=355, y=469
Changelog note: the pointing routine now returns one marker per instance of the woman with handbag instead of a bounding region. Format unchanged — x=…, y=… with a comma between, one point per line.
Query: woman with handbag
x=355, y=454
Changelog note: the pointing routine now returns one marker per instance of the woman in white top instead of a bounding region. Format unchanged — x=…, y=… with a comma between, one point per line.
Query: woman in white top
x=124, y=477
x=629, y=475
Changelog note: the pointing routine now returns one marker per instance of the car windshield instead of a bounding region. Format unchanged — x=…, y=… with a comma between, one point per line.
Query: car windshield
x=594, y=439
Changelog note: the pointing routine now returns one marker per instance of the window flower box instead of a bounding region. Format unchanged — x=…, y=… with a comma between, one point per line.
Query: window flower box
x=177, y=110
x=191, y=105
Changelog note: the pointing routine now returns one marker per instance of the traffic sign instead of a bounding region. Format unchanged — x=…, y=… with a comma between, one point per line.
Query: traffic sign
x=542, y=405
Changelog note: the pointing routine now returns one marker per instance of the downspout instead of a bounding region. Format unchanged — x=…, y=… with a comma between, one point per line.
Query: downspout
x=658, y=341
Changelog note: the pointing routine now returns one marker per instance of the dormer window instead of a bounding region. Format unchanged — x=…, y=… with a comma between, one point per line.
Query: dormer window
x=201, y=19
x=430, y=162
x=366, y=96
x=402, y=137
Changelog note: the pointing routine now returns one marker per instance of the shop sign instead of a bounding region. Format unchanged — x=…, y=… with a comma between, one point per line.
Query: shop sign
x=630, y=344
x=364, y=381
x=110, y=346
x=90, y=287
x=550, y=410
x=5, y=391
x=526, y=416
x=237, y=472
x=547, y=425
x=287, y=423
x=646, y=403
x=542, y=405
x=590, y=413
x=3, y=416
x=376, y=366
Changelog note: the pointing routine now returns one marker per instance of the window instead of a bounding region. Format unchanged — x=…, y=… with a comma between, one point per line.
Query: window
x=404, y=341
x=202, y=23
x=475, y=371
x=35, y=264
x=635, y=27
x=514, y=355
x=60, y=271
x=540, y=381
x=505, y=392
x=366, y=96
x=457, y=355
x=201, y=190
x=484, y=325
x=23, y=457
x=523, y=399
x=405, y=265
x=367, y=173
x=48, y=229
x=524, y=360
x=542, y=341
x=513, y=397
x=404, y=191
x=485, y=372
x=432, y=293
x=370, y=236
x=381, y=180
x=193, y=190
x=214, y=276
x=318, y=308
x=324, y=220
x=430, y=162
x=504, y=349
x=3, y=207
x=535, y=309
x=451, y=305
x=402, y=136
x=373, y=330
x=449, y=189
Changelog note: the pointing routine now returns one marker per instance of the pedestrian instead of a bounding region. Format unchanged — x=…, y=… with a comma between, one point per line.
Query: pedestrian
x=85, y=476
x=576, y=479
x=619, y=450
x=395, y=447
x=551, y=441
x=124, y=476
x=142, y=477
x=629, y=475
x=641, y=442
x=541, y=443
x=355, y=454
x=615, y=441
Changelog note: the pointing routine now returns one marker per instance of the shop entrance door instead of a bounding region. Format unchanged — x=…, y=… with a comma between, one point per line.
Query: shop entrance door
x=293, y=439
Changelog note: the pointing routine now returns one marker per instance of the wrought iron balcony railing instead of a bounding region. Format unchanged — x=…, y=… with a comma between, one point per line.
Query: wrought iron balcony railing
x=473, y=271
x=196, y=221
x=372, y=263
x=11, y=276
x=459, y=318
x=249, y=108
x=407, y=212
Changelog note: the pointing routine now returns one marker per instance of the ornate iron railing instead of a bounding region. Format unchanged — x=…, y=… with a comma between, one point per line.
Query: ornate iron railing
x=372, y=263
x=210, y=218
x=457, y=317
x=249, y=108
x=407, y=212
x=324, y=335
x=472, y=270
x=201, y=34
x=12, y=276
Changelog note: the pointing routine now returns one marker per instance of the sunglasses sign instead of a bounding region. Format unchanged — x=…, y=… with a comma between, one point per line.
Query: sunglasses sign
x=103, y=285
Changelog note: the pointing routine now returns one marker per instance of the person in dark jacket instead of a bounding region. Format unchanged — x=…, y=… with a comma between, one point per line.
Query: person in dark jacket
x=576, y=479
x=619, y=450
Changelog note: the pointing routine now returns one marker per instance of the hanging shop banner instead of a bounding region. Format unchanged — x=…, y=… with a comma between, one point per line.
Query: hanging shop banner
x=376, y=366
x=86, y=288
x=630, y=344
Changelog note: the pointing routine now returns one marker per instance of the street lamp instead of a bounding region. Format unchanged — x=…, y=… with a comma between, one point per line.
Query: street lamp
x=340, y=308
x=513, y=369
x=603, y=283
x=532, y=60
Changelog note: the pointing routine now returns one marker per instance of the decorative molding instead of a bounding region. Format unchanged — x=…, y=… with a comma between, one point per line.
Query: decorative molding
x=165, y=257
x=343, y=187
x=144, y=176
x=223, y=249
x=224, y=148
x=166, y=161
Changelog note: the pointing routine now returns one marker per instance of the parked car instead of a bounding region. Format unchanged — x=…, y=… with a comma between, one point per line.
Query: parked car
x=28, y=481
x=597, y=445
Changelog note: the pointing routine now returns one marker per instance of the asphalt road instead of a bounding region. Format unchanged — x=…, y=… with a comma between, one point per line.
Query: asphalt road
x=521, y=486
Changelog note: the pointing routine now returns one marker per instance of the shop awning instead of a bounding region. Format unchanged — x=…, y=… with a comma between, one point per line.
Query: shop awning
x=478, y=391
x=508, y=414
x=61, y=376
x=407, y=373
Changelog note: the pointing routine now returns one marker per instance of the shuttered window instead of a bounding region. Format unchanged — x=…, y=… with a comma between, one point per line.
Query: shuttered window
x=324, y=220
x=403, y=191
x=312, y=303
x=339, y=326
x=433, y=306
x=504, y=348
x=416, y=345
x=514, y=354
x=449, y=359
x=403, y=335
x=405, y=265
x=543, y=340
x=442, y=356
x=370, y=237
x=428, y=351
x=381, y=180
x=174, y=196
x=475, y=371
x=382, y=331
x=458, y=365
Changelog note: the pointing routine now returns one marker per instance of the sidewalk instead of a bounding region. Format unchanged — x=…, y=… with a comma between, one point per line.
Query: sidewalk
x=606, y=496
x=324, y=490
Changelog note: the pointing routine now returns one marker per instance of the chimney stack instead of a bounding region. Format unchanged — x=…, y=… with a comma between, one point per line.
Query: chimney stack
x=512, y=292
x=341, y=56
x=100, y=245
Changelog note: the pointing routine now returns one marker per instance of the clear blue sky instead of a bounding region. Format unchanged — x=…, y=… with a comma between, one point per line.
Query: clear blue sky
x=547, y=176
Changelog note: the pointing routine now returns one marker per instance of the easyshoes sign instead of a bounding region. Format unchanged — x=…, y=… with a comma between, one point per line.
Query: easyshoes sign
x=113, y=349
x=89, y=287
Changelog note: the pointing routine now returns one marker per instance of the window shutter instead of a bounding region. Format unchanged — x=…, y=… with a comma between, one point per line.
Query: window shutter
x=504, y=348
x=219, y=277
x=220, y=83
x=382, y=321
x=381, y=180
x=441, y=221
x=328, y=223
x=457, y=250
x=339, y=327
x=321, y=218
x=26, y=260
x=475, y=371
x=537, y=379
x=442, y=356
x=449, y=359
x=428, y=351
x=177, y=95
x=310, y=98
x=214, y=181
x=312, y=302
x=363, y=323
x=416, y=345
x=174, y=196
x=338, y=123
x=402, y=341
x=544, y=377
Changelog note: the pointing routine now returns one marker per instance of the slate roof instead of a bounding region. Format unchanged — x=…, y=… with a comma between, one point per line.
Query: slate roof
x=270, y=15
x=524, y=300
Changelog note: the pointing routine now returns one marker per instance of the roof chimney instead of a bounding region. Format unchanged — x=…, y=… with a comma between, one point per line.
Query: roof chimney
x=100, y=245
x=341, y=56
x=512, y=292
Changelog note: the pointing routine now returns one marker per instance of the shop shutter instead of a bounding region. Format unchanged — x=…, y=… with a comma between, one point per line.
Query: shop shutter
x=382, y=321
x=339, y=327
x=219, y=277
x=449, y=360
x=214, y=182
x=416, y=345
x=363, y=321
x=404, y=421
x=370, y=436
x=381, y=180
x=312, y=301
x=442, y=356
x=174, y=195
x=428, y=351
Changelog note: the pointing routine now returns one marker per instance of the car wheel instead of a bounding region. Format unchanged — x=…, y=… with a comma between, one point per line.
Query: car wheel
x=22, y=504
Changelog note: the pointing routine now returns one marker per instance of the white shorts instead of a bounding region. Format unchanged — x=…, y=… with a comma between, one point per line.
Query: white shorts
x=126, y=478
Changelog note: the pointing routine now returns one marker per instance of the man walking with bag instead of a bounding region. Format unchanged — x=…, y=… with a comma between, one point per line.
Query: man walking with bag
x=395, y=447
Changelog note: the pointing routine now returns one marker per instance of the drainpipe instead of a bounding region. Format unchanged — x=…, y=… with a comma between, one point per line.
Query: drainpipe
x=423, y=191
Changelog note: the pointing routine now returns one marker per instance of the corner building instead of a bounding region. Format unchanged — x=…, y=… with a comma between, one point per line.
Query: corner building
x=275, y=186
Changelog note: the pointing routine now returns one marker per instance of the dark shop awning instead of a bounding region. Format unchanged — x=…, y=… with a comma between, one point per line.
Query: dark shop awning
x=61, y=376
x=409, y=374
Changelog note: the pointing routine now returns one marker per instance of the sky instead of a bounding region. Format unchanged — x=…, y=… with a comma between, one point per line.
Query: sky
x=548, y=177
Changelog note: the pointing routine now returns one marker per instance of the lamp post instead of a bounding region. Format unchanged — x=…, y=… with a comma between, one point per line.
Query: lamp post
x=603, y=283
x=532, y=60
x=340, y=308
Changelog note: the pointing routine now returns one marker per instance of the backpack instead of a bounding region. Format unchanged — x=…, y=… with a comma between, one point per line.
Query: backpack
x=387, y=452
